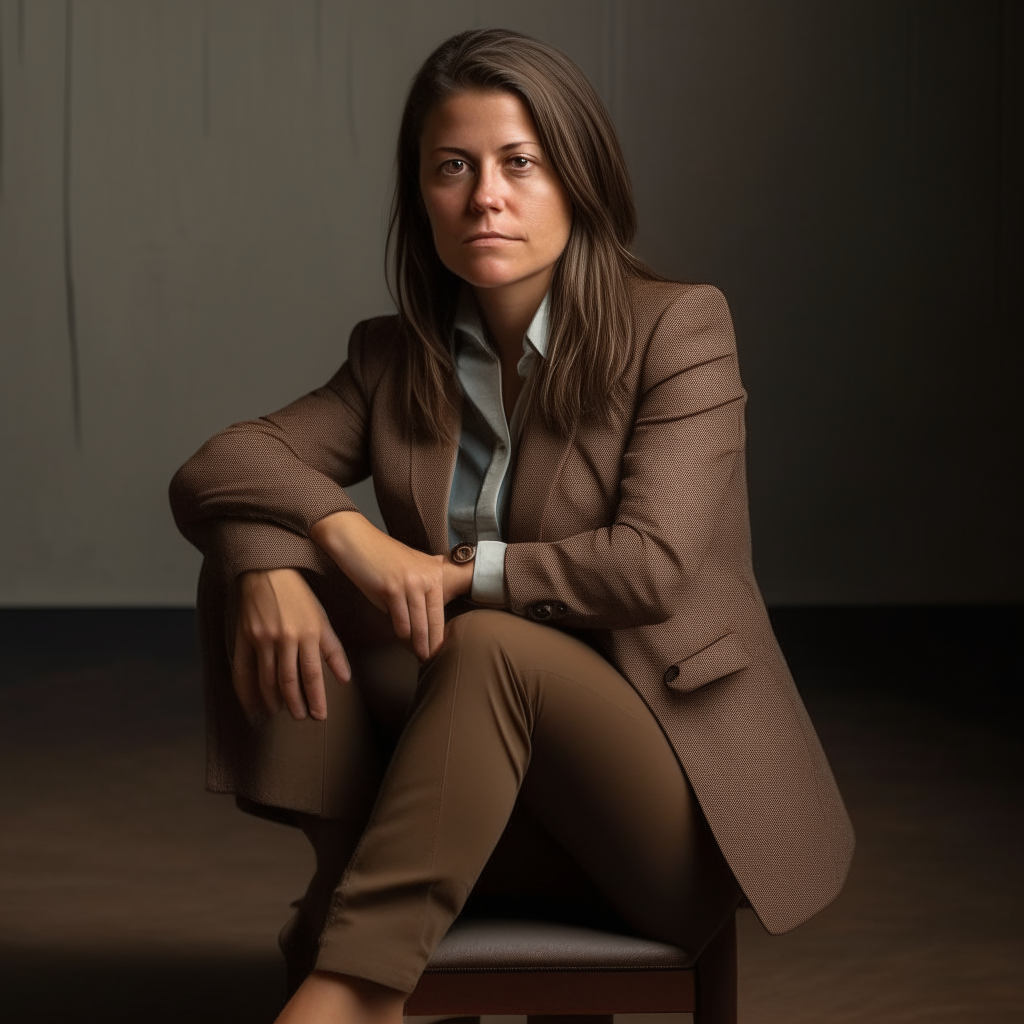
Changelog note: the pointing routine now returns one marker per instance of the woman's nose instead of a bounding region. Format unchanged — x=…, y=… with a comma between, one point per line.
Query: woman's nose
x=488, y=193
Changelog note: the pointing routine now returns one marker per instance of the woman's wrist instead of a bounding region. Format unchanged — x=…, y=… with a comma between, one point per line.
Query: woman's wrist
x=248, y=581
x=458, y=579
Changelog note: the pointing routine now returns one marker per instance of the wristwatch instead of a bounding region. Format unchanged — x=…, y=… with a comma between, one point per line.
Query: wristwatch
x=463, y=553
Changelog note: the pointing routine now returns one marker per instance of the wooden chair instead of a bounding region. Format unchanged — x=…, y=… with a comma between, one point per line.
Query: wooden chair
x=565, y=974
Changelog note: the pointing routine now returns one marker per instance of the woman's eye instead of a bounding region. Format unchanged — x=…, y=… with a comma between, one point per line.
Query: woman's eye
x=453, y=166
x=520, y=163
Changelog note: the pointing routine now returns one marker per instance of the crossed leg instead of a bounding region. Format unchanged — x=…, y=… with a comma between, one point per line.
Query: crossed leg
x=512, y=710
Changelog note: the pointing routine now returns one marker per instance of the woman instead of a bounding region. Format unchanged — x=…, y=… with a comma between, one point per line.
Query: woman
x=555, y=436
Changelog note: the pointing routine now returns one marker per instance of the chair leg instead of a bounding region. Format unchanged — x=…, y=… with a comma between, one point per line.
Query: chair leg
x=716, y=978
x=569, y=1018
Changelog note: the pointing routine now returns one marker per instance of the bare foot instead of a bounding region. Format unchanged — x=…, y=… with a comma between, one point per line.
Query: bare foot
x=327, y=998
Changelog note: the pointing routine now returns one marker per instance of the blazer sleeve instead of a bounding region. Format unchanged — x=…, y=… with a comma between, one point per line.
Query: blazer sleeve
x=250, y=494
x=678, y=488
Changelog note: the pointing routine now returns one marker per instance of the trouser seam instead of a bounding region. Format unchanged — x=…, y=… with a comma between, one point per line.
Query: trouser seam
x=440, y=802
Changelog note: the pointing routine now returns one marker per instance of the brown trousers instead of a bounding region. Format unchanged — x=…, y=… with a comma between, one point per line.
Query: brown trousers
x=528, y=779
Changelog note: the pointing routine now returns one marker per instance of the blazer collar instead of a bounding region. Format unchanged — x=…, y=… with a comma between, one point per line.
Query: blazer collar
x=431, y=466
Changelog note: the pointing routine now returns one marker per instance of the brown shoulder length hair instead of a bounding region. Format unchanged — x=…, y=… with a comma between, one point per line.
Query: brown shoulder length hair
x=591, y=331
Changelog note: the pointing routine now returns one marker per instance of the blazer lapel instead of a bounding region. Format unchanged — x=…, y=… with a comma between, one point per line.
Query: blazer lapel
x=538, y=463
x=431, y=466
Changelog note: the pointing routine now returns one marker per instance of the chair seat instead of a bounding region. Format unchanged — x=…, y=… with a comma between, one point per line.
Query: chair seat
x=572, y=974
x=510, y=944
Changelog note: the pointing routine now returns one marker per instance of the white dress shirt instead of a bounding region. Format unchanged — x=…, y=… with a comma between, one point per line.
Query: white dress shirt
x=478, y=501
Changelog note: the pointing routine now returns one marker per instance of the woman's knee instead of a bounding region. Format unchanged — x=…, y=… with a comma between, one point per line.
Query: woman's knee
x=512, y=641
x=485, y=647
x=478, y=666
x=481, y=627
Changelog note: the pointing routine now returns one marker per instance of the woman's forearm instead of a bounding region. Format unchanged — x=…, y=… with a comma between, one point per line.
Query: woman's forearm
x=338, y=534
x=346, y=536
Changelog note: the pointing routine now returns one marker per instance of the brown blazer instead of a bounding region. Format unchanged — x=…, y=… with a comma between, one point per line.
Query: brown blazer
x=633, y=535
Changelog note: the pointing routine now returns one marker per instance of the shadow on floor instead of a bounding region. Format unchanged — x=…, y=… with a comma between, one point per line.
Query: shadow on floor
x=79, y=987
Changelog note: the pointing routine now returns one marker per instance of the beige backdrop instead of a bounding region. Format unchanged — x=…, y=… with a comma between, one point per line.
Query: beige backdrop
x=194, y=195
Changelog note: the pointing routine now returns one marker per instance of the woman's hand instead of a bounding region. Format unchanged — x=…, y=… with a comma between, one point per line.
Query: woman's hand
x=281, y=635
x=410, y=586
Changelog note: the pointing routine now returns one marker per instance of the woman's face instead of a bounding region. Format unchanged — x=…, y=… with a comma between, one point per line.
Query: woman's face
x=499, y=213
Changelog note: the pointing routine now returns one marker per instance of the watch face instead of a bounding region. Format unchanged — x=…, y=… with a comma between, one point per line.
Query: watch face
x=463, y=553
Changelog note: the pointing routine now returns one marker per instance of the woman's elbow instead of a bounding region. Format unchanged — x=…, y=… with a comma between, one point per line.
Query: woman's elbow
x=189, y=484
x=182, y=494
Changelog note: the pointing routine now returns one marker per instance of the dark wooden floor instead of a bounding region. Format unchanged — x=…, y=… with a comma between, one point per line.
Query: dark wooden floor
x=127, y=894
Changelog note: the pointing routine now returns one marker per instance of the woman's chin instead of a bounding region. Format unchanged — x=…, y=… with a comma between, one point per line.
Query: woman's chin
x=488, y=270
x=495, y=277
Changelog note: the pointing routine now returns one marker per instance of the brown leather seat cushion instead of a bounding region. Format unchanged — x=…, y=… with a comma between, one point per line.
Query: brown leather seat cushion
x=511, y=944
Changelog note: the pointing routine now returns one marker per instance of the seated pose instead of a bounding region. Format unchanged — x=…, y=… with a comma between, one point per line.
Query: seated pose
x=597, y=722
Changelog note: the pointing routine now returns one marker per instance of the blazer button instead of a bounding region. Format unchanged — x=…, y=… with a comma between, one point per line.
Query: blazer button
x=671, y=673
x=542, y=610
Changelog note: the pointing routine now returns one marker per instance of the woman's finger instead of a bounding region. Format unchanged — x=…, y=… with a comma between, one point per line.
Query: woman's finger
x=287, y=657
x=313, y=678
x=418, y=625
x=435, y=618
x=334, y=654
x=398, y=609
x=266, y=673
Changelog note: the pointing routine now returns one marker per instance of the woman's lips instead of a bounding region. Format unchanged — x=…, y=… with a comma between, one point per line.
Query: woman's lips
x=489, y=238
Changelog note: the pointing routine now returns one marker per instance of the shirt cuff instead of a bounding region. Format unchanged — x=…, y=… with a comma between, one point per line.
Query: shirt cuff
x=489, y=573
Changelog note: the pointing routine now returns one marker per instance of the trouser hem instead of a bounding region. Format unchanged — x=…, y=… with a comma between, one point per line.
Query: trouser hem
x=344, y=961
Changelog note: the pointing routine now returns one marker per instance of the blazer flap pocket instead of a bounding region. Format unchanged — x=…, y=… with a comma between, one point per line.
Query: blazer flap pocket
x=722, y=656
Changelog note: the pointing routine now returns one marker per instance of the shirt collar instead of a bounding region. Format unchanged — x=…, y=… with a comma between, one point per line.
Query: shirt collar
x=468, y=322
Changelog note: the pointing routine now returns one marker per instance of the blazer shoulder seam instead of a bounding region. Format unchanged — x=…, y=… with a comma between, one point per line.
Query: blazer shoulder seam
x=676, y=298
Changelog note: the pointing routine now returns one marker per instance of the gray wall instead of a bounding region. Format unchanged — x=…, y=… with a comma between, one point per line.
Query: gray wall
x=192, y=213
